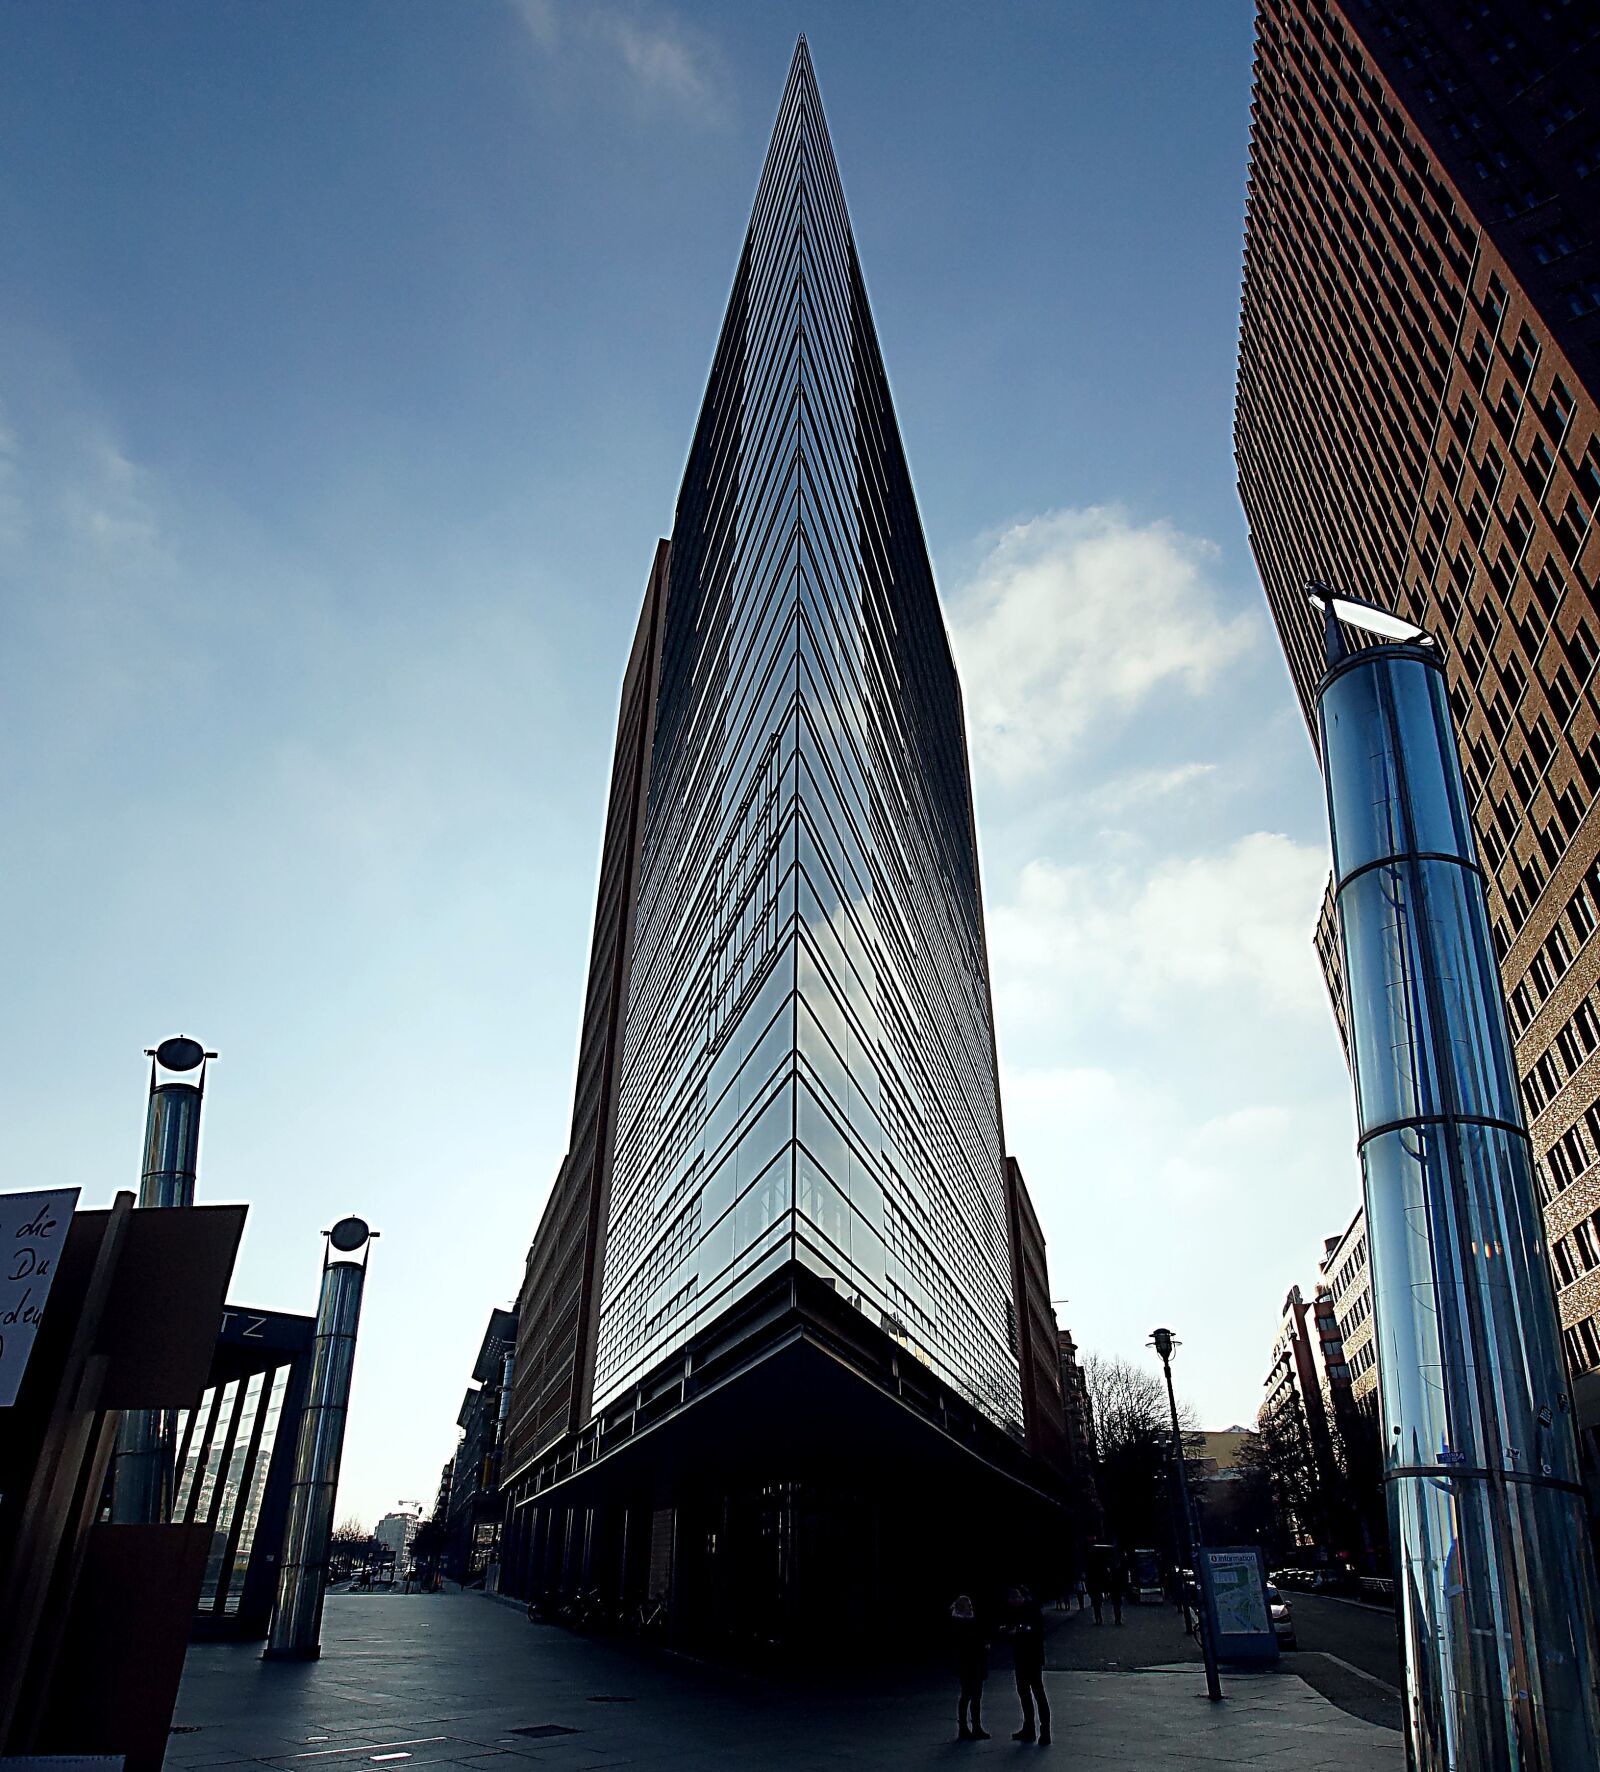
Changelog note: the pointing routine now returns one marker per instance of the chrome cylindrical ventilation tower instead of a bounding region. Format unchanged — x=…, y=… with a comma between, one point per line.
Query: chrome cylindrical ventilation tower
x=142, y=1474
x=1494, y=1573
x=172, y=1123
x=296, y=1633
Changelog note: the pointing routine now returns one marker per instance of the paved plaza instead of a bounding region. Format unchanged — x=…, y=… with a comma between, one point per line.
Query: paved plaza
x=459, y=1680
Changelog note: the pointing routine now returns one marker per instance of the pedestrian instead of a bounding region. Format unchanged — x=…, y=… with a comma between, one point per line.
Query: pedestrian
x=1025, y=1626
x=1081, y=1588
x=1099, y=1561
x=1118, y=1583
x=972, y=1668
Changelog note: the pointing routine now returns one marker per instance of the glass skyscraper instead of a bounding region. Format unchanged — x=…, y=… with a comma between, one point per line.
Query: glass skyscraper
x=808, y=1070
x=799, y=1193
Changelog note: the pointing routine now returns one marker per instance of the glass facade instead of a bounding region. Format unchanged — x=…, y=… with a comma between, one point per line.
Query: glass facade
x=226, y=1450
x=808, y=1069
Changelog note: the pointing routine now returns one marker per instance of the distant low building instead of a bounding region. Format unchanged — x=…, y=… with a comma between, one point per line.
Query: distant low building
x=475, y=1512
x=395, y=1532
x=1213, y=1455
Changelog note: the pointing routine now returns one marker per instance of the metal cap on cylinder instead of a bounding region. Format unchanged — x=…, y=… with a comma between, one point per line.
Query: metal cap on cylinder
x=180, y=1053
x=348, y=1235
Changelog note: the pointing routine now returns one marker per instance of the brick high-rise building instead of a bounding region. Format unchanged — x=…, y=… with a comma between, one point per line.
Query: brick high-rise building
x=771, y=1330
x=1417, y=423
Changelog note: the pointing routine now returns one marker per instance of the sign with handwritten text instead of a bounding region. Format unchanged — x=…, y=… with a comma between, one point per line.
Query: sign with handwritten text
x=33, y=1232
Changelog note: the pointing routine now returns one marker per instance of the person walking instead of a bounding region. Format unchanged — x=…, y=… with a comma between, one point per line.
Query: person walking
x=1025, y=1626
x=972, y=1668
x=1098, y=1561
x=1117, y=1579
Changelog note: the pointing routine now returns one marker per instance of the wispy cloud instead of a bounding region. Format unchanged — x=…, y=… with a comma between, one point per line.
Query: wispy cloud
x=1143, y=787
x=1080, y=944
x=1073, y=620
x=663, y=59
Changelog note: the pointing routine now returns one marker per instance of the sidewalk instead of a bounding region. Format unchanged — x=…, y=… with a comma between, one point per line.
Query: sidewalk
x=456, y=1680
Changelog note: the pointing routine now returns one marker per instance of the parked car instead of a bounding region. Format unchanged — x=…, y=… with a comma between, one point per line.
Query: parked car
x=1282, y=1615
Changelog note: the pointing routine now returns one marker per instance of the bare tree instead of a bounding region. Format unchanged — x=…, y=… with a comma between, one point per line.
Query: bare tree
x=350, y=1545
x=1128, y=1405
x=1132, y=1428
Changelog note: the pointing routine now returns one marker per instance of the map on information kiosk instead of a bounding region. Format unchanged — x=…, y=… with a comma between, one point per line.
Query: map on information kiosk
x=1236, y=1591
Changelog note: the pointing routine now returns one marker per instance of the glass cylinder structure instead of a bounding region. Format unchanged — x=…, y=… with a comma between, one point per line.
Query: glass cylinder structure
x=142, y=1471
x=171, y=1145
x=296, y=1633
x=1494, y=1572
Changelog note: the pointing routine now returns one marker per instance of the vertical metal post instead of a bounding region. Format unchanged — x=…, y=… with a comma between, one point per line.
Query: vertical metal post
x=1494, y=1572
x=1163, y=1342
x=142, y=1471
x=296, y=1633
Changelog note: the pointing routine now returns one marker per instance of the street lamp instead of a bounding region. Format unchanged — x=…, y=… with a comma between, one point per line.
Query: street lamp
x=1163, y=1341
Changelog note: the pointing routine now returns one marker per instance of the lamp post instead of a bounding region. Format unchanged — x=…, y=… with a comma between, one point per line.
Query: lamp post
x=1163, y=1341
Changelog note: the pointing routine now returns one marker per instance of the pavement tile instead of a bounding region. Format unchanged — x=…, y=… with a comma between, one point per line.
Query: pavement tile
x=401, y=1669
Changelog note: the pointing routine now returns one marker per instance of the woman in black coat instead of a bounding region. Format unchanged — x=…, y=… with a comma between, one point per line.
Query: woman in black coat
x=972, y=1667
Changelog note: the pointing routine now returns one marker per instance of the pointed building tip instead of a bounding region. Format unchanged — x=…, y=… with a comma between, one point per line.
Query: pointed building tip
x=802, y=70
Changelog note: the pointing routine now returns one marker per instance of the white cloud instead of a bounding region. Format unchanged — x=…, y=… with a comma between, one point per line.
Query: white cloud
x=1125, y=1133
x=1079, y=944
x=664, y=58
x=1073, y=620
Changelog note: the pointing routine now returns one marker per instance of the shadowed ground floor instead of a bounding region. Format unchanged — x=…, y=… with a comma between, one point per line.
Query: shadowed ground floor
x=458, y=1680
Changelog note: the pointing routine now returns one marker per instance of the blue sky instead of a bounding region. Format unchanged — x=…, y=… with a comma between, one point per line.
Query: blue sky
x=349, y=357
